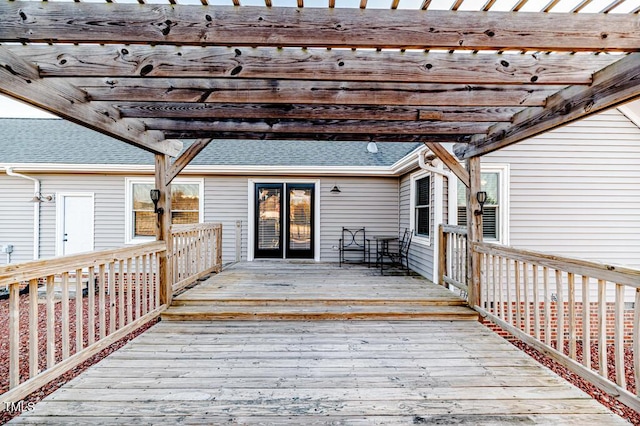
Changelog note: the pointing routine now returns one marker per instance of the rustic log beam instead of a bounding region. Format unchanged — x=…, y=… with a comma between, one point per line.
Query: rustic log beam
x=199, y=110
x=317, y=126
x=450, y=161
x=20, y=80
x=281, y=27
x=617, y=84
x=312, y=64
x=335, y=137
x=311, y=92
x=185, y=158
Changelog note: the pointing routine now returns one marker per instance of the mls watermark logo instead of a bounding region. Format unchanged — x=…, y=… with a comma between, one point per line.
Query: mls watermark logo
x=18, y=406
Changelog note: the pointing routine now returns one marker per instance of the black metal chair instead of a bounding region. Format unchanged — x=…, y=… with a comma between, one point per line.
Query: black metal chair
x=353, y=241
x=398, y=255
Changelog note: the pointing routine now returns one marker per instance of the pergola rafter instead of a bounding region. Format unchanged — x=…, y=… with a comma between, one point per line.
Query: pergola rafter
x=485, y=79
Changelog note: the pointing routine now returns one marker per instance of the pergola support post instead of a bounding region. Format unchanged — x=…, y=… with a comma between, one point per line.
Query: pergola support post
x=163, y=226
x=474, y=231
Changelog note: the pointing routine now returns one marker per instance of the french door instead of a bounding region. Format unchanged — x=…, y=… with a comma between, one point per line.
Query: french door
x=284, y=220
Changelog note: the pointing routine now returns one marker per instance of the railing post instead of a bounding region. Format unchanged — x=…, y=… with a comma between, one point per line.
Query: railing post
x=163, y=225
x=442, y=258
x=474, y=231
x=219, y=249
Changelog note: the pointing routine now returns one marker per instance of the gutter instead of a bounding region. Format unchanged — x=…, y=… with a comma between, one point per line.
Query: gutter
x=36, y=210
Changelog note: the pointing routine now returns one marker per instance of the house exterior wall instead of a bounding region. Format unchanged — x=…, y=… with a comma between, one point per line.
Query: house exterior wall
x=575, y=191
x=369, y=202
x=16, y=218
x=421, y=255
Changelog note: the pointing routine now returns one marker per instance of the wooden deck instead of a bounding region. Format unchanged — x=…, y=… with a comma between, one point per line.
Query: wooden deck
x=317, y=372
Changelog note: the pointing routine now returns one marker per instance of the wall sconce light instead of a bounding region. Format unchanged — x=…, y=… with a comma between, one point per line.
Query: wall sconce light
x=481, y=196
x=155, y=197
x=335, y=189
x=40, y=198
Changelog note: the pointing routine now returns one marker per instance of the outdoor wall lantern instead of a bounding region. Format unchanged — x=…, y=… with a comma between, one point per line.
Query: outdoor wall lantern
x=155, y=197
x=335, y=189
x=481, y=196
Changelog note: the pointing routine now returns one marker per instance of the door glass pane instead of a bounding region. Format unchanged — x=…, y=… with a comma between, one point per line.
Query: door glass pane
x=269, y=218
x=300, y=219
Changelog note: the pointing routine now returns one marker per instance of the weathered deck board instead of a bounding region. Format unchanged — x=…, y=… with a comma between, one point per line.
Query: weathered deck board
x=318, y=372
x=425, y=374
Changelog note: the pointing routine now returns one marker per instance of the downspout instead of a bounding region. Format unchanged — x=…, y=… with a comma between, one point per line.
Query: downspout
x=36, y=210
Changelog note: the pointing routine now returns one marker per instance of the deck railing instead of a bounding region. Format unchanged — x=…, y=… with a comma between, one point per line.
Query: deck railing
x=583, y=314
x=453, y=257
x=194, y=252
x=70, y=308
x=114, y=292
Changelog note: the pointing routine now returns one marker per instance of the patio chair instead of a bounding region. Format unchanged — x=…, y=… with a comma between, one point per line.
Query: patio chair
x=353, y=241
x=398, y=255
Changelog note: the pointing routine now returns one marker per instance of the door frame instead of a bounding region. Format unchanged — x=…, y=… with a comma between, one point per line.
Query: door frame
x=251, y=232
x=60, y=198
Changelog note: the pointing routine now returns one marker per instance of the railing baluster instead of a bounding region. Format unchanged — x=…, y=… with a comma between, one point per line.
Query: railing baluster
x=129, y=292
x=536, y=303
x=138, y=302
x=101, y=302
x=619, y=337
x=65, y=315
x=602, y=328
x=156, y=279
x=560, y=305
x=34, y=361
x=51, y=331
x=509, y=300
x=112, y=298
x=14, y=335
x=145, y=284
x=586, y=323
x=79, y=312
x=518, y=295
x=91, y=323
x=500, y=290
x=121, y=289
x=571, y=298
x=547, y=306
x=527, y=310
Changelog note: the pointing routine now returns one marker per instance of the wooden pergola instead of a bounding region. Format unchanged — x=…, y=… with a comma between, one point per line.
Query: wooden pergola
x=152, y=74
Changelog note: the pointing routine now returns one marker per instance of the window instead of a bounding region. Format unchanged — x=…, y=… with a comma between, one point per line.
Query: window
x=186, y=206
x=490, y=182
x=422, y=207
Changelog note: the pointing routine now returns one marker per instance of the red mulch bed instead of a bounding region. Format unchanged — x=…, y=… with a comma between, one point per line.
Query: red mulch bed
x=610, y=402
x=38, y=395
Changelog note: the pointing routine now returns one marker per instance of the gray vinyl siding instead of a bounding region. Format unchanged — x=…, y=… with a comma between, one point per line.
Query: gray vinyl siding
x=109, y=214
x=368, y=202
x=16, y=218
x=226, y=201
x=420, y=254
x=576, y=191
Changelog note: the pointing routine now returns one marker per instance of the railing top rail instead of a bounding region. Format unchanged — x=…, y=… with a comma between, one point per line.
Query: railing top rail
x=40, y=268
x=616, y=274
x=194, y=227
x=454, y=229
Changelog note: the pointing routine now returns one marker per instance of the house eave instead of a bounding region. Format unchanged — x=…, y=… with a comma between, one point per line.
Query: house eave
x=58, y=168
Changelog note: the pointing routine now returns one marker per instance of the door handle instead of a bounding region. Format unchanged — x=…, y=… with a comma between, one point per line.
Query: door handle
x=64, y=239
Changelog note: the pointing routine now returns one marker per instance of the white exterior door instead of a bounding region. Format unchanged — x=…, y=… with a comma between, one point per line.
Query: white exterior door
x=75, y=223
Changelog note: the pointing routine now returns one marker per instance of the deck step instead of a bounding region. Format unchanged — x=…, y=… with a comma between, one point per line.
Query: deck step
x=318, y=311
x=291, y=302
